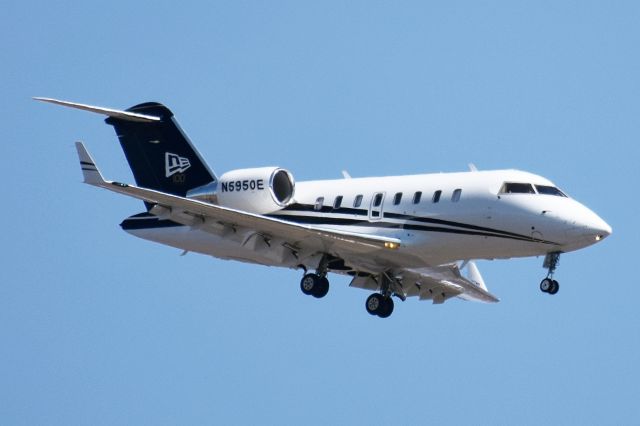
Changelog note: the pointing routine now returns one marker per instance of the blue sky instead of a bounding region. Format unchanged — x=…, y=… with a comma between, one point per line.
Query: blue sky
x=98, y=327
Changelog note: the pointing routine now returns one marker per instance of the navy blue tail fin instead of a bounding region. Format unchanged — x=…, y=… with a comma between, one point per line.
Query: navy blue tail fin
x=160, y=155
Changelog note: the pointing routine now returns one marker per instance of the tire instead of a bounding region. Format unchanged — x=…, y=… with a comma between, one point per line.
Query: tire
x=554, y=287
x=309, y=284
x=322, y=288
x=387, y=308
x=546, y=285
x=374, y=303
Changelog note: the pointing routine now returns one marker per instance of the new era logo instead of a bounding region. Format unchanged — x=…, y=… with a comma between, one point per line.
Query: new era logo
x=175, y=164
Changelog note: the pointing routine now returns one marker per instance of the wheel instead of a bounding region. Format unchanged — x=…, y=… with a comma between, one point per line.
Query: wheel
x=322, y=288
x=554, y=287
x=546, y=285
x=387, y=308
x=374, y=303
x=310, y=283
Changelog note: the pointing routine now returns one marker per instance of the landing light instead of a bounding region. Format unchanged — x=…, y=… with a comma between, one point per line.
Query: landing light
x=599, y=237
x=391, y=245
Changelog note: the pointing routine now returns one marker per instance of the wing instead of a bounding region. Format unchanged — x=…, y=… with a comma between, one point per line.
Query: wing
x=296, y=238
x=438, y=284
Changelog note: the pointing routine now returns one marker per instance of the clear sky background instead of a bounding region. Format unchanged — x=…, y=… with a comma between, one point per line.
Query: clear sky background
x=98, y=327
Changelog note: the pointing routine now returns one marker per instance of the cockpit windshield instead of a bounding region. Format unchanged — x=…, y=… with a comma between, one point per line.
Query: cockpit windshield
x=527, y=188
x=549, y=190
x=517, y=188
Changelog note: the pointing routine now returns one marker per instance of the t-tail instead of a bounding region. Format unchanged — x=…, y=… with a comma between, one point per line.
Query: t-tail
x=159, y=153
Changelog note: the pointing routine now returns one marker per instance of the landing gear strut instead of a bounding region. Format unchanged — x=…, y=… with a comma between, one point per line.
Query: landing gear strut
x=549, y=285
x=316, y=285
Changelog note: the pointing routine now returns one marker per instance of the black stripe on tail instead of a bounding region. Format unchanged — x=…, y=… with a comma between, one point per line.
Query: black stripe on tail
x=160, y=155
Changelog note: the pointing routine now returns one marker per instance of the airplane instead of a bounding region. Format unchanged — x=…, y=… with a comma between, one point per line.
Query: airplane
x=396, y=236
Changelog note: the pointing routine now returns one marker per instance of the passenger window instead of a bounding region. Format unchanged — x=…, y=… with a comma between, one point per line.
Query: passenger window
x=436, y=196
x=397, y=198
x=357, y=201
x=338, y=202
x=456, y=195
x=517, y=188
x=416, y=197
x=377, y=200
x=549, y=190
x=319, y=203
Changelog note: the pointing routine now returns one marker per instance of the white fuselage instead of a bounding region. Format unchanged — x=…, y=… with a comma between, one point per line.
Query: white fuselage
x=470, y=218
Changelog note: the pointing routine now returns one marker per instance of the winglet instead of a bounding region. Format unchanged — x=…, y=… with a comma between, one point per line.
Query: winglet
x=473, y=273
x=90, y=171
x=123, y=115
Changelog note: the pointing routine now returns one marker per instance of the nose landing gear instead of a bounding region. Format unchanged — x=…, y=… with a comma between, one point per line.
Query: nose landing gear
x=549, y=285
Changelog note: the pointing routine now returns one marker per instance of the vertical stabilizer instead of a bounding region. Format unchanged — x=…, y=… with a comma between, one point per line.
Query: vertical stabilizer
x=160, y=155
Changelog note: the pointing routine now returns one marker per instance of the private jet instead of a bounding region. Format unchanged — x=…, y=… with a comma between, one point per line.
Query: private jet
x=396, y=236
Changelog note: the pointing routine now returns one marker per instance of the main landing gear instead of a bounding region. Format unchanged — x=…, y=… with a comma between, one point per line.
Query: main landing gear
x=379, y=305
x=316, y=285
x=549, y=285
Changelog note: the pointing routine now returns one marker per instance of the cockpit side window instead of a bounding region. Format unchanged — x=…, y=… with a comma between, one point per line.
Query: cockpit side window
x=517, y=188
x=549, y=190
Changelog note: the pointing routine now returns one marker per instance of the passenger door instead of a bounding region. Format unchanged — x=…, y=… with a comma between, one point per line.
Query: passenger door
x=376, y=207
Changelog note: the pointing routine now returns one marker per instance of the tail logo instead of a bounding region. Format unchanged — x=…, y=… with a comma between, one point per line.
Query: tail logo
x=175, y=164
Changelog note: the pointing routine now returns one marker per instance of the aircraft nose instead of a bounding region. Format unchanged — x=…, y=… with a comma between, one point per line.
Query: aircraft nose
x=593, y=227
x=600, y=228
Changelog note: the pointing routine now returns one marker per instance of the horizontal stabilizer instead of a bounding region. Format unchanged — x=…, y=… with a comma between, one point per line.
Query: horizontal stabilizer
x=90, y=171
x=123, y=115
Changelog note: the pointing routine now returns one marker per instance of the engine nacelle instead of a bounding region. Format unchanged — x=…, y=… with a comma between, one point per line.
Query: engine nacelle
x=260, y=190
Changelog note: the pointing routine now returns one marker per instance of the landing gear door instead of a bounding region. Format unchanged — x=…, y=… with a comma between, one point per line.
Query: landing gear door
x=377, y=203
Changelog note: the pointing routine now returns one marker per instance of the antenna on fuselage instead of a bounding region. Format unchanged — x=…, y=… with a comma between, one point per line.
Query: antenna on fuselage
x=472, y=167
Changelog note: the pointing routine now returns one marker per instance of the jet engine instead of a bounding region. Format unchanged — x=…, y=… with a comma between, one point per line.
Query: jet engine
x=258, y=190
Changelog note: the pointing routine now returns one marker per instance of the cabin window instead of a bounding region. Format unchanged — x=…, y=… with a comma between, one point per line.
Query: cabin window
x=549, y=190
x=357, y=201
x=377, y=200
x=416, y=197
x=455, y=197
x=436, y=196
x=397, y=198
x=319, y=203
x=517, y=188
x=338, y=202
